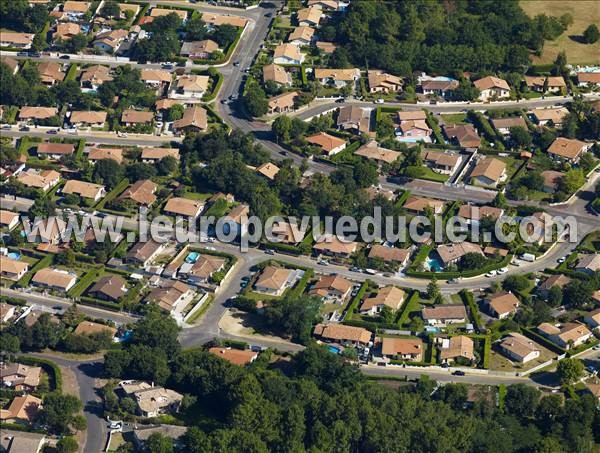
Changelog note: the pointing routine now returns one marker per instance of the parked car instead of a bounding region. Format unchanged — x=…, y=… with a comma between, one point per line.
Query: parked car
x=269, y=252
x=65, y=57
x=24, y=129
x=378, y=101
x=503, y=270
x=458, y=373
x=52, y=131
x=6, y=126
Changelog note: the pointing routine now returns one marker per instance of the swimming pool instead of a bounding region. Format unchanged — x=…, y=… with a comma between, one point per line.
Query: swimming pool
x=14, y=256
x=192, y=257
x=434, y=264
x=334, y=349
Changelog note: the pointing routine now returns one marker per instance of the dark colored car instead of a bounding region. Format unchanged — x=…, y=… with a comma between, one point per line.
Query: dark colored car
x=458, y=373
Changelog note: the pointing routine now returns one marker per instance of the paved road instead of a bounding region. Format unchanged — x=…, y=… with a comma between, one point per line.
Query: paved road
x=86, y=371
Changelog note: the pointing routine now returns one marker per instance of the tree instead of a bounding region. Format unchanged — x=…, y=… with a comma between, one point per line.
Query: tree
x=110, y=9
x=520, y=136
x=515, y=283
x=167, y=165
x=472, y=261
x=175, y=112
x=255, y=100
x=157, y=443
x=195, y=29
x=67, y=444
x=60, y=413
x=281, y=127
x=571, y=181
x=293, y=316
x=591, y=34
x=138, y=171
x=66, y=258
x=108, y=172
x=555, y=296
x=521, y=400
x=569, y=370
x=433, y=289
x=578, y=293
x=224, y=35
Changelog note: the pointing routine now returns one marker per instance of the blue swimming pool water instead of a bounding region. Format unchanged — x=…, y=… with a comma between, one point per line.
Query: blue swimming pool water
x=334, y=349
x=14, y=256
x=192, y=257
x=434, y=264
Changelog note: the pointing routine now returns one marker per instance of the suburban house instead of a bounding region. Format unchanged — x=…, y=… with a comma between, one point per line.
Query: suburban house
x=55, y=150
x=389, y=254
x=217, y=19
x=49, y=230
x=274, y=280
x=376, y=191
x=22, y=409
x=566, y=336
x=453, y=252
x=328, y=143
x=143, y=253
x=170, y=295
x=235, y=218
x=192, y=85
x=50, y=73
x=94, y=76
x=84, y=189
x=54, y=279
x=90, y=328
x=153, y=155
x=344, y=334
x=549, y=116
x=474, y=214
x=502, y=304
x=20, y=377
x=235, y=356
x=333, y=246
x=74, y=8
x=109, y=287
x=37, y=113
x=441, y=162
x=568, y=149
x=519, y=348
x=286, y=232
x=456, y=347
x=176, y=433
x=414, y=124
x=419, y=205
x=158, y=12
x=488, y=172
x=326, y=47
x=97, y=154
x=268, y=170
x=373, y=151
x=198, y=49
x=184, y=207
x=354, y=118
x=141, y=192
x=552, y=179
x=464, y=135
x=389, y=296
x=332, y=289
x=153, y=401
x=503, y=125
x=132, y=117
x=166, y=104
x=20, y=441
x=327, y=5
x=288, y=54
x=301, y=36
x=109, y=41
x=8, y=219
x=558, y=280
x=444, y=315
x=203, y=269
x=443, y=88
x=12, y=64
x=382, y=82
x=410, y=349
x=16, y=40
x=283, y=102
x=492, y=87
x=337, y=77
x=87, y=119
x=309, y=17
x=588, y=79
x=588, y=264
x=536, y=83
x=155, y=78
x=65, y=31
x=277, y=74
x=592, y=319
x=194, y=119
x=12, y=269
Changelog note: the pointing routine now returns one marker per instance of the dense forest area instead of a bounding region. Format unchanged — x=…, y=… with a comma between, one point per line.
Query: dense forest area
x=440, y=37
x=317, y=402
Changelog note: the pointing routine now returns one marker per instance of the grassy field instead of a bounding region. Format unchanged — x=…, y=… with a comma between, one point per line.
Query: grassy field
x=584, y=12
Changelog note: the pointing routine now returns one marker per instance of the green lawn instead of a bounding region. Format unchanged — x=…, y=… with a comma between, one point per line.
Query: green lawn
x=455, y=118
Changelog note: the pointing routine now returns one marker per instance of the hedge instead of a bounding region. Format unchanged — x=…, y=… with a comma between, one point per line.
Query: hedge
x=403, y=316
x=467, y=298
x=543, y=341
x=420, y=257
x=72, y=72
x=402, y=197
x=48, y=366
x=113, y=193
x=215, y=88
x=13, y=300
x=113, y=306
x=433, y=124
x=80, y=148
x=84, y=282
x=354, y=302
